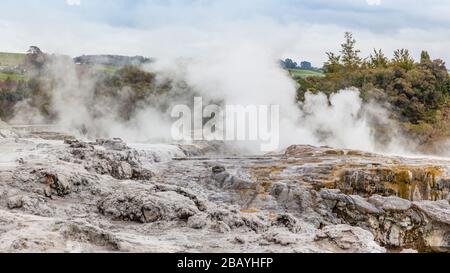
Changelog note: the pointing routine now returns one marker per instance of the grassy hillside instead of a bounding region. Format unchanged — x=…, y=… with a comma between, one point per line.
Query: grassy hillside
x=11, y=59
x=109, y=69
x=13, y=77
x=301, y=73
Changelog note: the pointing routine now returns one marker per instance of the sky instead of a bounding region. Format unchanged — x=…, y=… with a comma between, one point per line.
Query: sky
x=303, y=30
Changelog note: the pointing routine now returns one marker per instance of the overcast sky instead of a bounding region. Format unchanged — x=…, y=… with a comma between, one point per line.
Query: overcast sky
x=303, y=29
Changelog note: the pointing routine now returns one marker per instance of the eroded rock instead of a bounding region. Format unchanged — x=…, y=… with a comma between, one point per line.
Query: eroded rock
x=396, y=222
x=110, y=196
x=147, y=206
x=109, y=157
x=349, y=239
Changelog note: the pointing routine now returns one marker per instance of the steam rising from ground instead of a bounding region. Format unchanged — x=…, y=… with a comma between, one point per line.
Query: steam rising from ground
x=341, y=121
x=242, y=73
x=344, y=121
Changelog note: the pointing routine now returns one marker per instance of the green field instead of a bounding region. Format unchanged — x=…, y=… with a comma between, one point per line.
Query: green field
x=300, y=73
x=13, y=77
x=11, y=59
x=109, y=69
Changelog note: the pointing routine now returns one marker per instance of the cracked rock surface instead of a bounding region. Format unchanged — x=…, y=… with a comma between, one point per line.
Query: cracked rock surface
x=70, y=195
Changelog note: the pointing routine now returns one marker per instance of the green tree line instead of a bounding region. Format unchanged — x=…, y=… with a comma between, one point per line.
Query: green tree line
x=417, y=92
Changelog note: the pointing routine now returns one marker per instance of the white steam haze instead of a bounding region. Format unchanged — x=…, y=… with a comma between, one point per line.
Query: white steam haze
x=244, y=72
x=229, y=51
x=80, y=112
x=343, y=120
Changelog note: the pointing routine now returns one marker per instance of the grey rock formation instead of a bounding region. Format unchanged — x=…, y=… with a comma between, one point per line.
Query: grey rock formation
x=107, y=195
x=147, y=206
x=349, y=239
x=112, y=157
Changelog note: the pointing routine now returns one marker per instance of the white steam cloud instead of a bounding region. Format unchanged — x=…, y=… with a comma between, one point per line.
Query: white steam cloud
x=344, y=121
x=237, y=66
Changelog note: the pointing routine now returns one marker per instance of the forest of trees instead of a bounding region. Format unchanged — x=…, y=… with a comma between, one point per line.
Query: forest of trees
x=417, y=92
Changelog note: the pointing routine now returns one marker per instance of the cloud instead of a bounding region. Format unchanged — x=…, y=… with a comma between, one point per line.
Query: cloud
x=305, y=30
x=73, y=2
x=373, y=2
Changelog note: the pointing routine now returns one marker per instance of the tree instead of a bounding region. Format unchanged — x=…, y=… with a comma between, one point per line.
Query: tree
x=425, y=57
x=403, y=59
x=35, y=57
x=350, y=55
x=290, y=64
x=378, y=59
x=306, y=65
x=333, y=65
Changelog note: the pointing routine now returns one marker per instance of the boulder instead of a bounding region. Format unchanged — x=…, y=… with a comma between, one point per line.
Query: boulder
x=391, y=203
x=299, y=150
x=147, y=206
x=345, y=238
x=438, y=211
x=109, y=157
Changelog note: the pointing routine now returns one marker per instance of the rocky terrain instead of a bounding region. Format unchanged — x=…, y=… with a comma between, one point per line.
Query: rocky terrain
x=60, y=194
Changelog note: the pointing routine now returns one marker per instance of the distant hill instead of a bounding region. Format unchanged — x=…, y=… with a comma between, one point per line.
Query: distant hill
x=304, y=70
x=11, y=59
x=111, y=60
x=302, y=73
x=11, y=67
